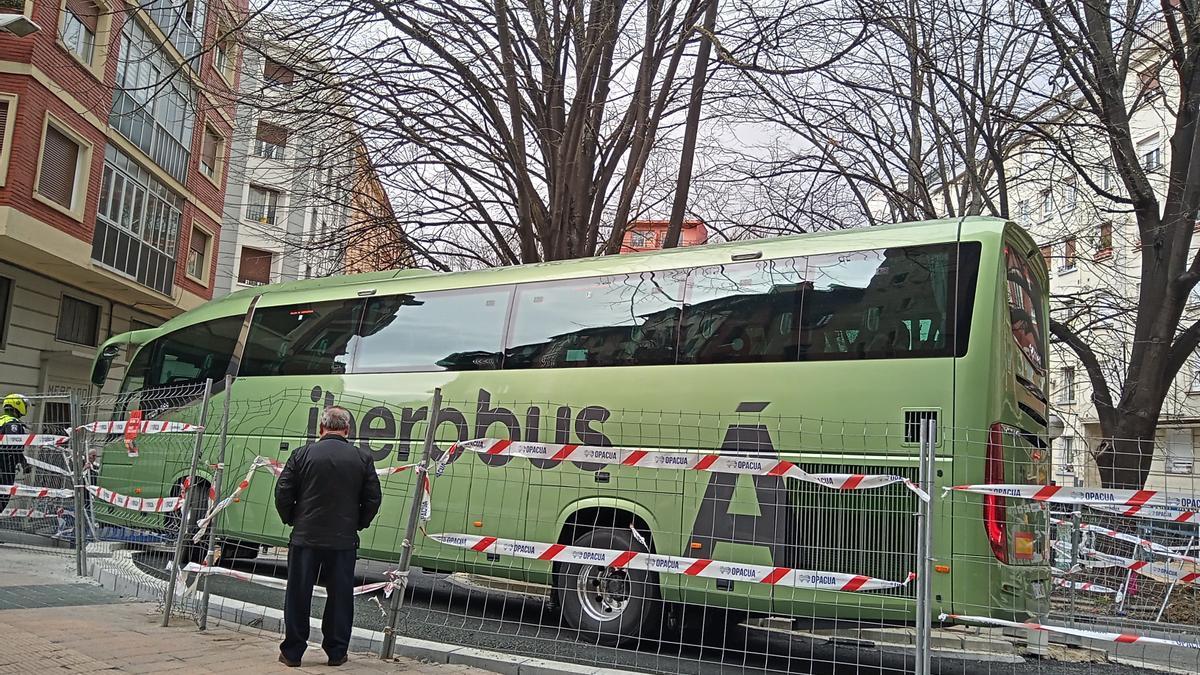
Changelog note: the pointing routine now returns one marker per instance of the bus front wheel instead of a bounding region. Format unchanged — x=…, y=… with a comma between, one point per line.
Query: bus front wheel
x=607, y=605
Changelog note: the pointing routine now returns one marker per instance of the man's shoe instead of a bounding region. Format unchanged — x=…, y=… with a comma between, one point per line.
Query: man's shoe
x=341, y=660
x=288, y=662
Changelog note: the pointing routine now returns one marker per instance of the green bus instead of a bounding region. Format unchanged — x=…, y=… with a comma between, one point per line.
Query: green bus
x=825, y=349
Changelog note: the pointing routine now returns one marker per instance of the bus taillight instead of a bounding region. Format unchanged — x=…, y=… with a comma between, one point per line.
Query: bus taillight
x=994, y=511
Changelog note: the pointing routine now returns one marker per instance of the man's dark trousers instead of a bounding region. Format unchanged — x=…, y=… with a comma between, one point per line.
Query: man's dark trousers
x=336, y=572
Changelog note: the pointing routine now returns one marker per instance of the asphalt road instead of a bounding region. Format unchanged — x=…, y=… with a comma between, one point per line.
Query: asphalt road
x=437, y=608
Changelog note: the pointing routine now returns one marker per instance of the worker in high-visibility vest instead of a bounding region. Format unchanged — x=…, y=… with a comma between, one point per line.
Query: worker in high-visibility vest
x=12, y=409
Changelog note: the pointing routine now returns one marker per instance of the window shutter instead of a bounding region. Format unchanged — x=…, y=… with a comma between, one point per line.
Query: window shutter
x=198, y=242
x=87, y=13
x=3, y=122
x=60, y=159
x=270, y=133
x=255, y=266
x=277, y=73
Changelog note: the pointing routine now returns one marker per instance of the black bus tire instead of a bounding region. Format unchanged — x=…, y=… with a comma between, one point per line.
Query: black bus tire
x=193, y=552
x=606, y=605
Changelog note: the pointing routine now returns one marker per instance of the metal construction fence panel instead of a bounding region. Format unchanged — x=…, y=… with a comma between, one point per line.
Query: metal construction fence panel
x=654, y=541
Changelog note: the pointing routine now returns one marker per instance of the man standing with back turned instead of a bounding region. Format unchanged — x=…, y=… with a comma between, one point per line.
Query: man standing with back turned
x=327, y=492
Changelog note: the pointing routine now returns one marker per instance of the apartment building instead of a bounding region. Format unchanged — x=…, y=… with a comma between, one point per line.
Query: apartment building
x=114, y=122
x=1093, y=252
x=304, y=199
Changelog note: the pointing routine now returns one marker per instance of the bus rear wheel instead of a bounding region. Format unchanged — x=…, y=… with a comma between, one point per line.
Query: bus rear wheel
x=190, y=521
x=606, y=605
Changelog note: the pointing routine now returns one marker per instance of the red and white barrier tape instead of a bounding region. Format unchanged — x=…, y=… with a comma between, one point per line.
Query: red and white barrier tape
x=693, y=567
x=35, y=492
x=696, y=460
x=1087, y=586
x=143, y=505
x=143, y=427
x=1062, y=494
x=29, y=513
x=275, y=467
x=272, y=582
x=1130, y=538
x=1162, y=572
x=27, y=440
x=1151, y=512
x=1125, y=638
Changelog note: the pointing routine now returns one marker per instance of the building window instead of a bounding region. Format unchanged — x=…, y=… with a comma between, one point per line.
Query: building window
x=1150, y=152
x=1108, y=179
x=1068, y=255
x=59, y=168
x=8, y=109
x=1179, y=451
x=254, y=268
x=270, y=141
x=1048, y=254
x=137, y=223
x=78, y=322
x=223, y=52
x=1066, y=457
x=1151, y=87
x=1104, y=246
x=1070, y=194
x=5, y=304
x=275, y=74
x=641, y=239
x=1066, y=392
x=199, y=245
x=212, y=149
x=1046, y=201
x=1193, y=385
x=263, y=203
x=78, y=29
x=153, y=104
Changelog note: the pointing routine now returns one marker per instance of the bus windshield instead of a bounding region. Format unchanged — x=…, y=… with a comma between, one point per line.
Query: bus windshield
x=186, y=356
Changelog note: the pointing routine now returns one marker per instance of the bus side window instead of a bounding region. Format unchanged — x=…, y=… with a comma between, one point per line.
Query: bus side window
x=743, y=312
x=620, y=320
x=305, y=339
x=440, y=330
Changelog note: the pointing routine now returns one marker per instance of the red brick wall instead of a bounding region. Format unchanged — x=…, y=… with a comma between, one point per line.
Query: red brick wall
x=44, y=52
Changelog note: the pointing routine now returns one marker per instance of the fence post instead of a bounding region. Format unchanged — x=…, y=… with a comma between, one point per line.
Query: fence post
x=211, y=558
x=78, y=454
x=185, y=510
x=420, y=475
x=924, y=627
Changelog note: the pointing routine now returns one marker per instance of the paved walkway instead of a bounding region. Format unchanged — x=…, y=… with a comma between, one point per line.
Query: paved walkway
x=51, y=621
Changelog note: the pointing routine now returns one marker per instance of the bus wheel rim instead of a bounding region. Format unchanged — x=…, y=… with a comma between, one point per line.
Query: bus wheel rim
x=603, y=592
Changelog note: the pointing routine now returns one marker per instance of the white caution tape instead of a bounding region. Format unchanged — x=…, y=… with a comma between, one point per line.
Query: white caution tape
x=696, y=460
x=143, y=505
x=1162, y=572
x=1062, y=494
x=1084, y=557
x=1088, y=587
x=143, y=427
x=272, y=582
x=1152, y=512
x=693, y=567
x=275, y=467
x=28, y=440
x=1130, y=538
x=30, y=513
x=35, y=492
x=1126, y=638
x=46, y=466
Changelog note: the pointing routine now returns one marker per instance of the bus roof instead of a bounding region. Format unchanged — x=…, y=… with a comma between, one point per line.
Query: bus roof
x=414, y=280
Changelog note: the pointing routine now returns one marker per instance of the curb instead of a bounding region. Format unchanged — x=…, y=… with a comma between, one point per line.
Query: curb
x=361, y=640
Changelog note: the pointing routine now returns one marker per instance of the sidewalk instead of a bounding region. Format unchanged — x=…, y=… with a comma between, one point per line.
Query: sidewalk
x=52, y=621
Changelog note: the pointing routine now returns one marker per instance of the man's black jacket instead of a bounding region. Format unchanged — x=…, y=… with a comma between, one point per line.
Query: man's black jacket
x=327, y=492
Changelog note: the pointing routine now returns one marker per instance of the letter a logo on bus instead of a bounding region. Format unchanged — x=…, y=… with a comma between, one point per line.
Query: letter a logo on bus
x=132, y=426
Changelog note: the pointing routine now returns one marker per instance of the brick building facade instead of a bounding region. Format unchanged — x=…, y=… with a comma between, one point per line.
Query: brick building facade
x=113, y=120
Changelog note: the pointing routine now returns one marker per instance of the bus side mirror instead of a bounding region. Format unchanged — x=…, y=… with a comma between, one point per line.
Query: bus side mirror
x=103, y=363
